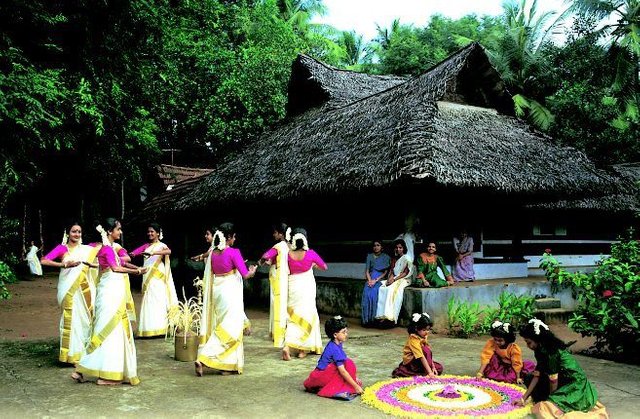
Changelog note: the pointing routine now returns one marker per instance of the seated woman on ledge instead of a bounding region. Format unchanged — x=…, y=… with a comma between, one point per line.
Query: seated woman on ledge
x=431, y=270
x=391, y=292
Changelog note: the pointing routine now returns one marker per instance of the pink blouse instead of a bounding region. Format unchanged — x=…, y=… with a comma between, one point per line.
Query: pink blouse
x=271, y=255
x=107, y=257
x=310, y=257
x=228, y=260
x=57, y=252
x=140, y=249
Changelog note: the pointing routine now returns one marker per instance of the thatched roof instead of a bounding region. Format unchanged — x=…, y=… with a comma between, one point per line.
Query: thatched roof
x=450, y=126
x=627, y=200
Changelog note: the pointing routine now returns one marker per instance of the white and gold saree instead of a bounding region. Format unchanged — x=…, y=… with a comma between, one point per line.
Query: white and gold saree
x=158, y=293
x=390, y=297
x=303, y=325
x=278, y=290
x=111, y=352
x=76, y=295
x=221, y=334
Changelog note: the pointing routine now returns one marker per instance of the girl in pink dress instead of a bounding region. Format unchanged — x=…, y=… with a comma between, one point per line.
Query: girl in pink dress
x=335, y=376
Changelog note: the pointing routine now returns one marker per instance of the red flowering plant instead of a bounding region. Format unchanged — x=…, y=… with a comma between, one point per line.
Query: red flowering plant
x=608, y=298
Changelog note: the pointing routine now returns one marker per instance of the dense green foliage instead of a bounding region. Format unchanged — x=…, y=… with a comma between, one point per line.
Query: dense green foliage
x=608, y=298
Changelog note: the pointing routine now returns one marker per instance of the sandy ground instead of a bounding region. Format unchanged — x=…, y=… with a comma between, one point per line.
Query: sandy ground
x=34, y=384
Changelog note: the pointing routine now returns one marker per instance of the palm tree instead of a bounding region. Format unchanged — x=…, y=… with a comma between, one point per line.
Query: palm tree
x=384, y=35
x=299, y=13
x=518, y=57
x=354, y=47
x=621, y=19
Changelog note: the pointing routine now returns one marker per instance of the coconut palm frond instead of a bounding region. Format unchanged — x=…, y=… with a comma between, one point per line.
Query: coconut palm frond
x=540, y=115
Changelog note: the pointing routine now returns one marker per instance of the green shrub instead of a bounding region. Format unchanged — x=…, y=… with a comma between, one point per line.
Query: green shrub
x=464, y=318
x=467, y=319
x=515, y=309
x=609, y=299
x=7, y=276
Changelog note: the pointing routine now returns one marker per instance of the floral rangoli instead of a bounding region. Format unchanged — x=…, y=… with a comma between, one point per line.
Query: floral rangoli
x=446, y=396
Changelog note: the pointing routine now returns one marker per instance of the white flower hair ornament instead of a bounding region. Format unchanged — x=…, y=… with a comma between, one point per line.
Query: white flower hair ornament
x=287, y=234
x=160, y=237
x=300, y=236
x=537, y=324
x=222, y=241
x=65, y=238
x=103, y=235
x=499, y=325
x=338, y=317
x=427, y=315
x=415, y=317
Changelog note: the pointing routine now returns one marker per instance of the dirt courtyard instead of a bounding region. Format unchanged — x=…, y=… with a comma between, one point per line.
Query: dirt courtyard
x=34, y=384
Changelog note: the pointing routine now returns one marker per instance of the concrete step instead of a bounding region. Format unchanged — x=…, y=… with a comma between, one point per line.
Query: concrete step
x=544, y=303
x=554, y=315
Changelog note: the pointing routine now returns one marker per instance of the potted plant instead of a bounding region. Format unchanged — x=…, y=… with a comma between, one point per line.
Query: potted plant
x=184, y=325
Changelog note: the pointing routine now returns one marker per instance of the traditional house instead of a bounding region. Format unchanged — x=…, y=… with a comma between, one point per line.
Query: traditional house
x=358, y=154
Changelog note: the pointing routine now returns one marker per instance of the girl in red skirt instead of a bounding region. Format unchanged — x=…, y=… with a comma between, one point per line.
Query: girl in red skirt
x=501, y=358
x=335, y=376
x=416, y=354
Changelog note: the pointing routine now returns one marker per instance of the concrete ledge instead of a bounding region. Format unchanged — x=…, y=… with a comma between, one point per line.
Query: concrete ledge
x=483, y=270
x=343, y=296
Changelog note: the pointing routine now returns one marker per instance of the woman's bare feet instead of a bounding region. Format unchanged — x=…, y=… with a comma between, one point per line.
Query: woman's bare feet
x=302, y=354
x=102, y=382
x=247, y=331
x=199, y=369
x=286, y=356
x=77, y=377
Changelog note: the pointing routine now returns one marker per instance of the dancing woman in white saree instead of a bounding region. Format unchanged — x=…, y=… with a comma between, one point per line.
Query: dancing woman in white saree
x=158, y=289
x=391, y=292
x=76, y=292
x=303, y=325
x=32, y=260
x=221, y=332
x=111, y=352
x=278, y=283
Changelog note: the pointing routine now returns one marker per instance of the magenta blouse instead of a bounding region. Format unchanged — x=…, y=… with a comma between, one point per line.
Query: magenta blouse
x=310, y=257
x=270, y=255
x=107, y=257
x=140, y=249
x=228, y=260
x=57, y=252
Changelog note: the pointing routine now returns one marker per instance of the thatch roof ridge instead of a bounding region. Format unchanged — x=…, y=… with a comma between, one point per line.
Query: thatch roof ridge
x=314, y=83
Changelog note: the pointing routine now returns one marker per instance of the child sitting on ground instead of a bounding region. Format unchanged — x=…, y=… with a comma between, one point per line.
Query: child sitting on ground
x=501, y=358
x=335, y=376
x=558, y=385
x=416, y=355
